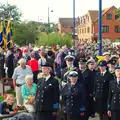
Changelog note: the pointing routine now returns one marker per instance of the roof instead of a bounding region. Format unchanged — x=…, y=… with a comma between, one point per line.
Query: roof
x=93, y=14
x=105, y=11
x=68, y=22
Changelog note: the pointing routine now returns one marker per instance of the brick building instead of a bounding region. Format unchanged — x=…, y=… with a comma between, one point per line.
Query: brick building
x=88, y=27
x=65, y=25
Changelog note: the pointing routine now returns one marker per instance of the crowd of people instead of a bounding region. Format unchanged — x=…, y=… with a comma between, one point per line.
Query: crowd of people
x=61, y=83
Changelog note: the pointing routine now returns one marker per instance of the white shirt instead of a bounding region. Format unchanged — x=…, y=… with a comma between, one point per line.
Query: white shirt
x=103, y=73
x=46, y=79
x=118, y=81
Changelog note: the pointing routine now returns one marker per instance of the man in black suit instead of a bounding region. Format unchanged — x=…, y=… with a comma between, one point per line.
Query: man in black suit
x=114, y=96
x=88, y=81
x=70, y=67
x=47, y=96
x=81, y=69
x=101, y=88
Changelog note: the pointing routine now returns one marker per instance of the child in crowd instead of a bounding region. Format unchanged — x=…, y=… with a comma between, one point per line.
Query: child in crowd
x=6, y=105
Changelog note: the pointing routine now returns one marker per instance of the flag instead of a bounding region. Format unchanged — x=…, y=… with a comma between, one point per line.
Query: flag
x=1, y=35
x=4, y=36
x=9, y=34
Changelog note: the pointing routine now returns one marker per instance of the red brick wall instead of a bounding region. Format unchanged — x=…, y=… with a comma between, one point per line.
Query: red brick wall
x=63, y=29
x=111, y=23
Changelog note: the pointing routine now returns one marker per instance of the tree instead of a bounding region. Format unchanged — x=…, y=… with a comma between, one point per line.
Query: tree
x=54, y=39
x=117, y=12
x=9, y=10
x=24, y=33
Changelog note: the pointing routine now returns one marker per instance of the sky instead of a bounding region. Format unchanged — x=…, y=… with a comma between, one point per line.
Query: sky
x=37, y=10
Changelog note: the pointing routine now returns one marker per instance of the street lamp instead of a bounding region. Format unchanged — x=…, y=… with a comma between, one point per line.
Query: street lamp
x=100, y=27
x=74, y=22
x=49, y=19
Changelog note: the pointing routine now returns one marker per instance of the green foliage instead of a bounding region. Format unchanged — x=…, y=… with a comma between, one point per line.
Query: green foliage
x=117, y=12
x=24, y=33
x=9, y=10
x=1, y=98
x=118, y=40
x=54, y=38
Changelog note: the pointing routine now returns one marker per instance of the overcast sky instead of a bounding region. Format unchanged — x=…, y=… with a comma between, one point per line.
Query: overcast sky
x=38, y=9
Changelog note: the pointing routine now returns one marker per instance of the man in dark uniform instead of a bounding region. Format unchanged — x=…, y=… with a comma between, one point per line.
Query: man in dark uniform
x=81, y=69
x=47, y=96
x=89, y=78
x=114, y=96
x=2, y=64
x=106, y=56
x=112, y=64
x=70, y=67
x=73, y=98
x=101, y=88
x=9, y=63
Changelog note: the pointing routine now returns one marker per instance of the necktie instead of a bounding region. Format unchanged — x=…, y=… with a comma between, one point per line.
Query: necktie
x=102, y=74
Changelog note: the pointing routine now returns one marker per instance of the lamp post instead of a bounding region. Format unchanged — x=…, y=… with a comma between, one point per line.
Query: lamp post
x=49, y=19
x=100, y=27
x=74, y=22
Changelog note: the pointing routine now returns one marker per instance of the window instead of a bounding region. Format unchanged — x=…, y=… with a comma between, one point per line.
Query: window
x=116, y=17
x=82, y=30
x=88, y=29
x=85, y=30
x=105, y=29
x=117, y=29
x=109, y=16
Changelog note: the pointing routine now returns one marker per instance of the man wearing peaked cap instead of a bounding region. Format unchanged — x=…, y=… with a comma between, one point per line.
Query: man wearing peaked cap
x=82, y=61
x=74, y=106
x=111, y=64
x=102, y=63
x=101, y=88
x=106, y=53
x=69, y=58
x=81, y=69
x=106, y=56
x=114, y=96
x=90, y=61
x=82, y=65
x=47, y=95
x=70, y=67
x=73, y=74
x=88, y=80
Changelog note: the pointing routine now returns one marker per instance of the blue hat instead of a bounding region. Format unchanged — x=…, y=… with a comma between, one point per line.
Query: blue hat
x=73, y=74
x=117, y=67
x=102, y=63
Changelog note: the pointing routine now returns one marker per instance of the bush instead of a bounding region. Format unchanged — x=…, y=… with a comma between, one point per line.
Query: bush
x=54, y=38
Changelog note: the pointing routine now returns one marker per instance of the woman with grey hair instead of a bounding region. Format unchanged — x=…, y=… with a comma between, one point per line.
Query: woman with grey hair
x=28, y=93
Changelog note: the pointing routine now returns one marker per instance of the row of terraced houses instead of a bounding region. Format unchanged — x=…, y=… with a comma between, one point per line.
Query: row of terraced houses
x=87, y=26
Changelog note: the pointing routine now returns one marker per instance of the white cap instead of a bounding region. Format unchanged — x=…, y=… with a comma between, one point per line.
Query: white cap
x=106, y=53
